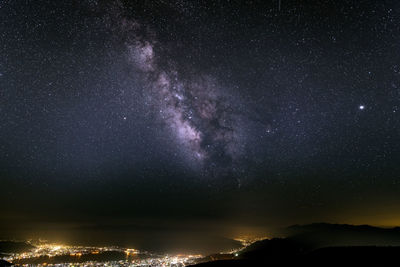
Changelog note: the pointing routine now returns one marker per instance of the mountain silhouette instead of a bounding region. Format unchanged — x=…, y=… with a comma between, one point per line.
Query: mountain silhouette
x=322, y=244
x=323, y=235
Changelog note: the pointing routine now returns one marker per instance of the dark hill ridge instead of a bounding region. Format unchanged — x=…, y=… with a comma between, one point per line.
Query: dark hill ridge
x=331, y=226
x=323, y=244
x=323, y=234
x=4, y=263
x=331, y=256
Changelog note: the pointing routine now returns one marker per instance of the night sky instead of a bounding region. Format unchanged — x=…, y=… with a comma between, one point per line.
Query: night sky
x=121, y=120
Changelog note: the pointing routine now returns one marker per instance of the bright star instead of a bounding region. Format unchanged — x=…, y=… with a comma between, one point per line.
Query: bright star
x=361, y=107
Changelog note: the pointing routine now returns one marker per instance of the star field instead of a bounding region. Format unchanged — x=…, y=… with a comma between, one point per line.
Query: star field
x=279, y=110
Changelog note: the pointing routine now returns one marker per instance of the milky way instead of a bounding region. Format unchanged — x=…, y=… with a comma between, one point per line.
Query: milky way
x=195, y=110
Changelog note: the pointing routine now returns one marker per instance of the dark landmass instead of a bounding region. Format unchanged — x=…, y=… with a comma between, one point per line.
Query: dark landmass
x=332, y=256
x=4, y=263
x=14, y=247
x=321, y=245
x=324, y=235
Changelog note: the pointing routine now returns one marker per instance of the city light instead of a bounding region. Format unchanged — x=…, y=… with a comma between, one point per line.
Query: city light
x=44, y=254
